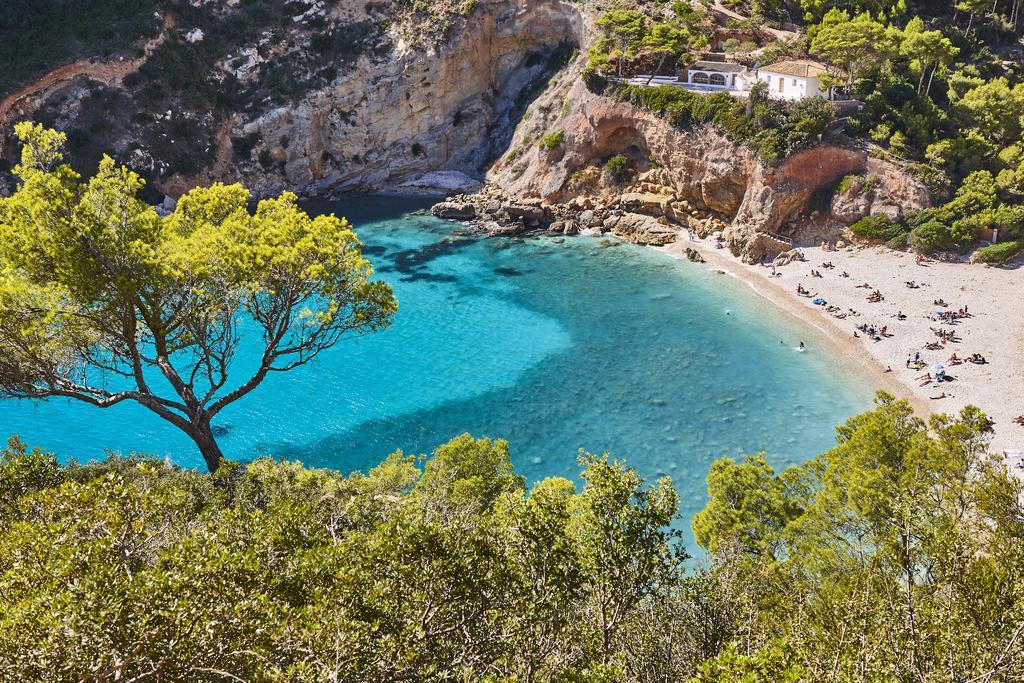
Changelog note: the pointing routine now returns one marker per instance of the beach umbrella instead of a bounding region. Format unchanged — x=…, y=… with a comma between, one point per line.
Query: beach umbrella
x=938, y=367
x=716, y=233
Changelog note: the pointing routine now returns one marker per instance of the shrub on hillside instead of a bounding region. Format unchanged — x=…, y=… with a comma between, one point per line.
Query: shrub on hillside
x=938, y=236
x=617, y=168
x=595, y=82
x=551, y=140
x=878, y=227
x=772, y=129
x=999, y=253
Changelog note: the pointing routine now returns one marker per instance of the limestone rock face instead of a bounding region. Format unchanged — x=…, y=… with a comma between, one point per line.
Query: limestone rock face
x=646, y=202
x=700, y=167
x=677, y=174
x=640, y=229
x=454, y=210
x=882, y=189
x=441, y=182
x=780, y=193
x=392, y=120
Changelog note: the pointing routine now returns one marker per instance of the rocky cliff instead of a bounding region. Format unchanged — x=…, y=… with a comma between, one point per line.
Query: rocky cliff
x=317, y=96
x=696, y=174
x=448, y=108
x=327, y=97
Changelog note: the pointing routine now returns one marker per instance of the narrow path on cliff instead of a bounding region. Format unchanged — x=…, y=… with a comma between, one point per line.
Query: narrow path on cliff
x=20, y=103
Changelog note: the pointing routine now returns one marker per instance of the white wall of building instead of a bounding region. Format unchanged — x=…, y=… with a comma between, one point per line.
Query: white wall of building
x=712, y=79
x=791, y=87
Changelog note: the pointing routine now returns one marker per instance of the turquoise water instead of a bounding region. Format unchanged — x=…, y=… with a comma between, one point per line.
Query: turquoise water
x=552, y=344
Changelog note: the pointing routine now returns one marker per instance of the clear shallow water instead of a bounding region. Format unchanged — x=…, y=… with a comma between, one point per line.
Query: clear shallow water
x=554, y=345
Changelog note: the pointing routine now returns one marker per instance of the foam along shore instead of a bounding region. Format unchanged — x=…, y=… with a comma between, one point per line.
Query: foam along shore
x=995, y=326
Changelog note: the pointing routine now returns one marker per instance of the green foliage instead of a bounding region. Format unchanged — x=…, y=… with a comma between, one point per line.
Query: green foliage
x=977, y=193
x=100, y=297
x=448, y=568
x=39, y=35
x=623, y=32
x=592, y=78
x=878, y=227
x=617, y=168
x=551, y=140
x=897, y=559
x=816, y=9
x=626, y=34
x=994, y=109
x=999, y=253
x=748, y=507
x=276, y=572
x=774, y=663
x=925, y=48
x=856, y=44
x=861, y=184
x=938, y=236
x=775, y=130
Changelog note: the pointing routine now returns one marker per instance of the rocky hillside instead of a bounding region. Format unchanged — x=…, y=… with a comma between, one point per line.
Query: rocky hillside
x=313, y=95
x=327, y=97
x=584, y=161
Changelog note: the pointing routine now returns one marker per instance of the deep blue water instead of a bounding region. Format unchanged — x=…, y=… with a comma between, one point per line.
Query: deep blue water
x=553, y=344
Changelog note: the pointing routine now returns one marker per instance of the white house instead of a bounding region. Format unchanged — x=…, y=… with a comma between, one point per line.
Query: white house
x=789, y=80
x=793, y=80
x=715, y=76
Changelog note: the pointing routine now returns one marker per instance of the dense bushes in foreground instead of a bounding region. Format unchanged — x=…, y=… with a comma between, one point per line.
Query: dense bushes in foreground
x=897, y=555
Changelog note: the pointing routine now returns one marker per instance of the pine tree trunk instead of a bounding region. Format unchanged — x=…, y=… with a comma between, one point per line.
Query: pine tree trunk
x=202, y=435
x=930, y=77
x=661, y=63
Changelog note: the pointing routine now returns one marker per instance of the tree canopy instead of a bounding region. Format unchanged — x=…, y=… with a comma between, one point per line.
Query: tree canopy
x=896, y=555
x=104, y=301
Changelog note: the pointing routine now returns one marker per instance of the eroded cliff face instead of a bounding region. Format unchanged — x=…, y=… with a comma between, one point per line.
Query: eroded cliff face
x=708, y=170
x=317, y=96
x=700, y=168
x=388, y=122
x=351, y=96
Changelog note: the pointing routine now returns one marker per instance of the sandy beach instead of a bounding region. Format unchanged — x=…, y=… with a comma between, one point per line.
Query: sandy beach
x=994, y=298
